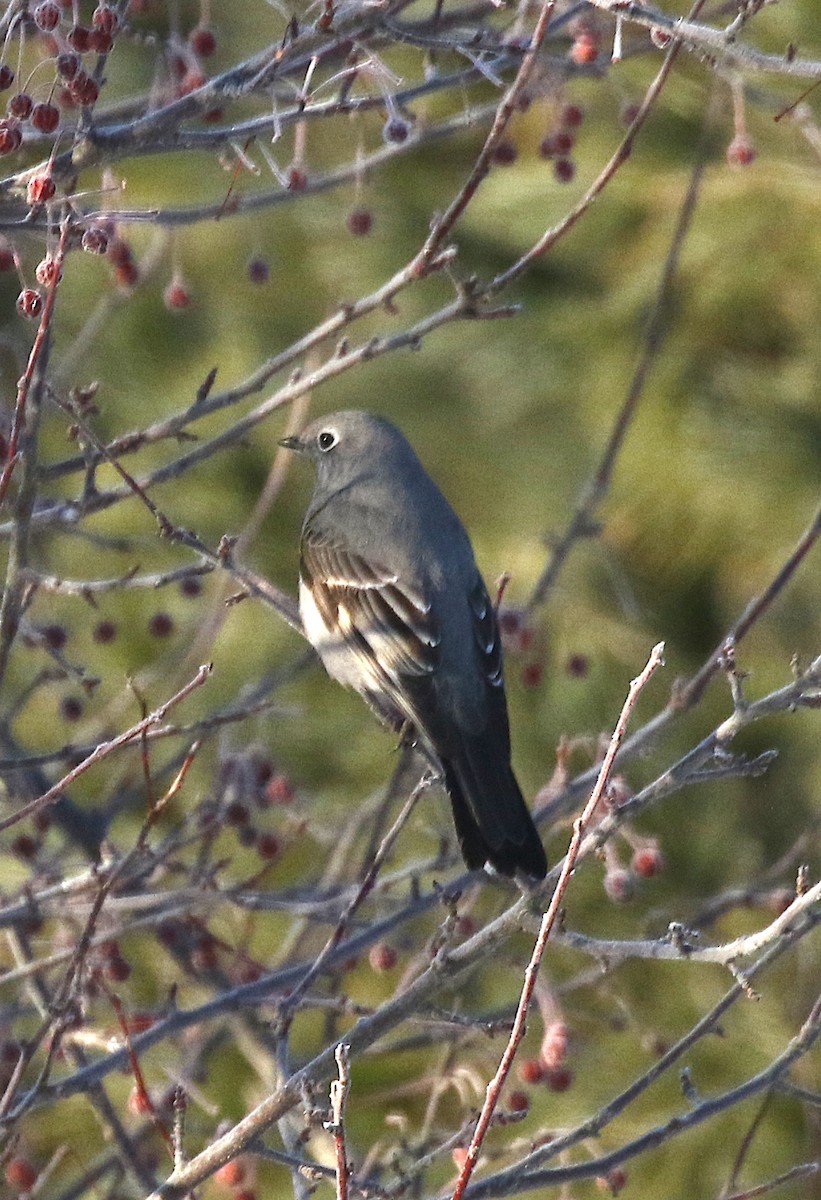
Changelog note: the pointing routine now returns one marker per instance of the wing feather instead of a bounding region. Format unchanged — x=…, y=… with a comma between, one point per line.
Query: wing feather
x=383, y=620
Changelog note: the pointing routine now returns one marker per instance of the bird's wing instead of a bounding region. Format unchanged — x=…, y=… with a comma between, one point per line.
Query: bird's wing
x=486, y=633
x=380, y=616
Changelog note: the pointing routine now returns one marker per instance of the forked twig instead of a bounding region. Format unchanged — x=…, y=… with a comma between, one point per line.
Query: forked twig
x=495, y=1086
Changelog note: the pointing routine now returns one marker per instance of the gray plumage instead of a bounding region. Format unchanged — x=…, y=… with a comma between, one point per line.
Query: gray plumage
x=392, y=600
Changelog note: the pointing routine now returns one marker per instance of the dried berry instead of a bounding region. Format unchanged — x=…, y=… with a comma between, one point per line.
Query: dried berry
x=531, y=1070
x=20, y=105
x=29, y=303
x=71, y=708
x=741, y=151
x=45, y=117
x=105, y=19
x=39, y=189
x=397, y=130
x=268, y=846
x=95, y=240
x=79, y=38
x=68, y=65
x=258, y=270
x=11, y=135
x=505, y=153
x=47, y=16
x=203, y=41
x=564, y=169
x=648, y=862
x=360, y=221
x=382, y=956
x=84, y=89
x=572, y=116
x=585, y=49
x=161, y=625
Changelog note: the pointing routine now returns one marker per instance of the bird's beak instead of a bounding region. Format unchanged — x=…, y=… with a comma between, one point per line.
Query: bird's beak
x=292, y=443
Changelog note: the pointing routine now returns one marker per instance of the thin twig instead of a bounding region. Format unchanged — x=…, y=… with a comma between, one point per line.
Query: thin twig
x=494, y=1088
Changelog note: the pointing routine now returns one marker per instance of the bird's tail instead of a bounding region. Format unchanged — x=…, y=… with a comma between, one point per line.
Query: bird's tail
x=493, y=823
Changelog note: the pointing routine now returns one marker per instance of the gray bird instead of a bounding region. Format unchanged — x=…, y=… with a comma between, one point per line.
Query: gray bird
x=392, y=601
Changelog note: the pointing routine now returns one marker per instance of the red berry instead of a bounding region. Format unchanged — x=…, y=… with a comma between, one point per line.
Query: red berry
x=585, y=49
x=547, y=146
x=518, y=1101
x=55, y=636
x=100, y=42
x=79, y=38
x=554, y=1045
x=397, y=130
x=648, y=862
x=29, y=303
x=161, y=625
x=258, y=270
x=559, y=1080
x=105, y=19
x=25, y=845
x=572, y=116
x=119, y=251
x=563, y=140
x=741, y=151
x=95, y=240
x=360, y=221
x=613, y=1181
x=45, y=117
x=176, y=296
x=505, y=153
x=84, y=89
x=47, y=272
x=192, y=586
x=203, y=41
x=117, y=969
x=532, y=674
x=236, y=813
x=47, y=16
x=71, y=708
x=232, y=1174
x=204, y=956
x=41, y=188
x=138, y=1102
x=382, y=956
x=564, y=169
x=531, y=1070
x=268, y=846
x=6, y=77
x=68, y=65
x=659, y=37
x=11, y=135
x=6, y=255
x=126, y=274
x=20, y=105
x=20, y=1174
x=618, y=885
x=192, y=79
x=278, y=789
x=169, y=933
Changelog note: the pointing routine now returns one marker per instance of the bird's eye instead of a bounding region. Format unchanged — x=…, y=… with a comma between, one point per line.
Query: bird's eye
x=327, y=440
